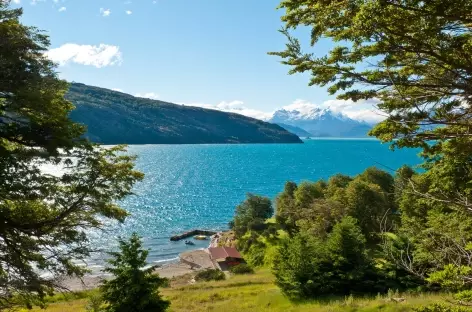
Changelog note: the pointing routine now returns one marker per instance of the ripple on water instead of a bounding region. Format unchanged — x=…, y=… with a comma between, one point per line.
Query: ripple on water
x=198, y=186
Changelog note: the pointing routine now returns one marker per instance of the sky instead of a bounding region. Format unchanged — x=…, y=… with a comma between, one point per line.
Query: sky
x=209, y=53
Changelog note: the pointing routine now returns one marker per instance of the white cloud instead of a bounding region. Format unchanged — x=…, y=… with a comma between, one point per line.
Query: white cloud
x=129, y=12
x=237, y=107
x=34, y=2
x=117, y=89
x=149, y=95
x=62, y=9
x=105, y=12
x=99, y=56
x=17, y=1
x=362, y=110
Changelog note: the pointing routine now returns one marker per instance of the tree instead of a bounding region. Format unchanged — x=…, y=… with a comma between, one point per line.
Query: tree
x=319, y=219
x=418, y=55
x=134, y=287
x=45, y=217
x=410, y=57
x=336, y=187
x=306, y=267
x=370, y=206
x=379, y=177
x=294, y=268
x=348, y=255
x=307, y=192
x=431, y=235
x=252, y=212
x=285, y=207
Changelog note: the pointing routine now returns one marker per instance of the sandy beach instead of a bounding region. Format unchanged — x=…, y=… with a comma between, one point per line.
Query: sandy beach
x=92, y=281
x=190, y=262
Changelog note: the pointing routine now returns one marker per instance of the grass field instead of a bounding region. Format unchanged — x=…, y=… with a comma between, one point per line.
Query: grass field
x=258, y=293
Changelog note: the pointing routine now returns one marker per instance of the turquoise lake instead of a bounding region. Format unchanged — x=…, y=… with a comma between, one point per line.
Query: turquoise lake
x=199, y=186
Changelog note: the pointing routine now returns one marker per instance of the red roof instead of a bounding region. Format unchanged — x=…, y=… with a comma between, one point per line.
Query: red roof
x=224, y=252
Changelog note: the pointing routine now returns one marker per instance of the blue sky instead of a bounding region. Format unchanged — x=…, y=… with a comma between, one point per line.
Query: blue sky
x=210, y=53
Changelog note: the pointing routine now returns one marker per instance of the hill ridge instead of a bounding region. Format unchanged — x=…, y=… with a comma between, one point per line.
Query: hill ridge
x=114, y=117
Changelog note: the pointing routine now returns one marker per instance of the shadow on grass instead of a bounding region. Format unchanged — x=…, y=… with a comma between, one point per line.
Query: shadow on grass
x=222, y=285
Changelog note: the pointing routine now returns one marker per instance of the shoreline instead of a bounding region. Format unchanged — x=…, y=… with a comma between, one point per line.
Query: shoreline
x=169, y=270
x=88, y=282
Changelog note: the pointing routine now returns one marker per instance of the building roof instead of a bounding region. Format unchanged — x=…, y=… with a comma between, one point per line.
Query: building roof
x=224, y=252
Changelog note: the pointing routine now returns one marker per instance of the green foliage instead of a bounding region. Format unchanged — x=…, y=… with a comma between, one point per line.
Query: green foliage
x=285, y=207
x=306, y=192
x=417, y=53
x=255, y=254
x=46, y=217
x=432, y=234
x=464, y=296
x=210, y=275
x=334, y=228
x=314, y=208
x=242, y=268
x=305, y=268
x=294, y=269
x=34, y=111
x=134, y=120
x=251, y=214
x=134, y=287
x=378, y=177
x=411, y=59
x=451, y=277
x=95, y=303
x=437, y=307
x=369, y=204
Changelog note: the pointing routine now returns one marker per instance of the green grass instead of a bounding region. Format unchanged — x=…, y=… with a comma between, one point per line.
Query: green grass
x=258, y=292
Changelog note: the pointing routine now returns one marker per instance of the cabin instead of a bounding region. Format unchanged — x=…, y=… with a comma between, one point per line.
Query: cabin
x=225, y=257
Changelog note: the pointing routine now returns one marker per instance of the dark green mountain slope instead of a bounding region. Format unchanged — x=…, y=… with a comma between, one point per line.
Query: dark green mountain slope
x=114, y=117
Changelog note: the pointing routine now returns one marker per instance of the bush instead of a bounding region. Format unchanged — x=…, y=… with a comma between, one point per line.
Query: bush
x=436, y=307
x=251, y=214
x=242, y=268
x=306, y=268
x=95, y=303
x=210, y=275
x=257, y=225
x=255, y=255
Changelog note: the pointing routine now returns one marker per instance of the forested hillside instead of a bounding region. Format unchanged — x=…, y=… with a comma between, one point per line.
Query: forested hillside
x=113, y=117
x=365, y=234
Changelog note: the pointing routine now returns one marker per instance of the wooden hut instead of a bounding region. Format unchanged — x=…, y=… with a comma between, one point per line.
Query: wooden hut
x=225, y=257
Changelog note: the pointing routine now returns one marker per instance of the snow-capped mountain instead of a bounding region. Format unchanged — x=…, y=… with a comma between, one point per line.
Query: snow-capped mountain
x=321, y=122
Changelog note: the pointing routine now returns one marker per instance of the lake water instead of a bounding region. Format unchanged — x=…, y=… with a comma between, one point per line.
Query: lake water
x=198, y=186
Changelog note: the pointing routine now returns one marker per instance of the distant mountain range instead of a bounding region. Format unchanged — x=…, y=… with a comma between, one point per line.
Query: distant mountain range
x=320, y=122
x=295, y=130
x=113, y=117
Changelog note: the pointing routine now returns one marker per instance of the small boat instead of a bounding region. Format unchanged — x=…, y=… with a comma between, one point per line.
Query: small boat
x=200, y=237
x=189, y=243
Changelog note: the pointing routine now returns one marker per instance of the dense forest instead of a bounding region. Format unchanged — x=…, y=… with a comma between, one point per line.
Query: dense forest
x=366, y=234
x=113, y=117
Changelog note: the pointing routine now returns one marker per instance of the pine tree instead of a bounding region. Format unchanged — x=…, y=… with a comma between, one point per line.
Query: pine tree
x=134, y=288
